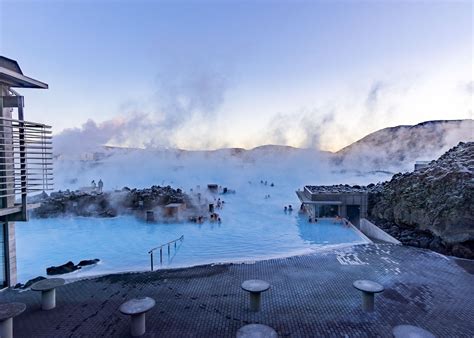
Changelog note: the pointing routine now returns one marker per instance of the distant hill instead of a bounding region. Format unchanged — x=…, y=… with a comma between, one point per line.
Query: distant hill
x=392, y=149
x=389, y=147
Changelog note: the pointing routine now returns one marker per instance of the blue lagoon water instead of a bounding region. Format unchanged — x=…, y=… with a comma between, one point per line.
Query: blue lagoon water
x=122, y=243
x=250, y=230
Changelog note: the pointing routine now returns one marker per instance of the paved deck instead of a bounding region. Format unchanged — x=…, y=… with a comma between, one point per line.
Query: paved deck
x=309, y=296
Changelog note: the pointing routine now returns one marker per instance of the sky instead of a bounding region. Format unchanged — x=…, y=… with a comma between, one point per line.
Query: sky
x=209, y=74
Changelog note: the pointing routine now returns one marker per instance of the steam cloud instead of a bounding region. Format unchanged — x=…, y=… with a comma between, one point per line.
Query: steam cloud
x=182, y=102
x=186, y=107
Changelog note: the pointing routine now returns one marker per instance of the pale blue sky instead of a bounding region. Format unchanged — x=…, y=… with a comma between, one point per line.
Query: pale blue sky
x=242, y=73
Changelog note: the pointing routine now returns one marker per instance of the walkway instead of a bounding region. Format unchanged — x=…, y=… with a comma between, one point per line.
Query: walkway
x=310, y=296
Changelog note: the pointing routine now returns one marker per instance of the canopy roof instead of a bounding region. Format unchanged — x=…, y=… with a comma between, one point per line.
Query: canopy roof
x=12, y=76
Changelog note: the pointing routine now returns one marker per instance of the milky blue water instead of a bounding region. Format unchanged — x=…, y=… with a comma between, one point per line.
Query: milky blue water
x=250, y=230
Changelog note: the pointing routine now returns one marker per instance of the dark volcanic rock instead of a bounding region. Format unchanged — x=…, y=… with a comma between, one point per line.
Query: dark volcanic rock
x=110, y=204
x=433, y=207
x=32, y=281
x=65, y=268
x=29, y=283
x=88, y=262
x=429, y=208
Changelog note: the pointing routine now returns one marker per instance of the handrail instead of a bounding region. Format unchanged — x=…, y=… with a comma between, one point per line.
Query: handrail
x=161, y=250
x=162, y=245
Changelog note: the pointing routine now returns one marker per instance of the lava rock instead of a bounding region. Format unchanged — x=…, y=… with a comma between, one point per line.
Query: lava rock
x=88, y=262
x=61, y=269
x=107, y=204
x=463, y=250
x=424, y=242
x=32, y=281
x=432, y=206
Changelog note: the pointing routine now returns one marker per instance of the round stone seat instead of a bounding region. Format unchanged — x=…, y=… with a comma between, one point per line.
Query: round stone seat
x=256, y=331
x=369, y=289
x=410, y=331
x=255, y=287
x=368, y=286
x=47, y=284
x=7, y=312
x=48, y=291
x=137, y=305
x=136, y=308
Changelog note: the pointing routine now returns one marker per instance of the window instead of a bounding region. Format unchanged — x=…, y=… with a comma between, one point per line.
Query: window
x=328, y=210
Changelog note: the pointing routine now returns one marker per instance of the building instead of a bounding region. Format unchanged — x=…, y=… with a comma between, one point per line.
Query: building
x=213, y=187
x=25, y=161
x=421, y=164
x=329, y=201
x=174, y=209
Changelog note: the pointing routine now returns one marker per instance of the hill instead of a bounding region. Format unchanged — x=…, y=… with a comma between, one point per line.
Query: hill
x=391, y=147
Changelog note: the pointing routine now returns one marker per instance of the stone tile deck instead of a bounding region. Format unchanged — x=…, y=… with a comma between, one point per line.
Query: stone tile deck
x=310, y=296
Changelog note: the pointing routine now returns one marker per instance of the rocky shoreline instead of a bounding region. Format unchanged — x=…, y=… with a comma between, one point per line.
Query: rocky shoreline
x=425, y=239
x=106, y=204
x=431, y=208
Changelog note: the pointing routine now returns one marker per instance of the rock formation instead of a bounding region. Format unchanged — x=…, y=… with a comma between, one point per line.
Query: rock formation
x=107, y=204
x=432, y=207
x=70, y=267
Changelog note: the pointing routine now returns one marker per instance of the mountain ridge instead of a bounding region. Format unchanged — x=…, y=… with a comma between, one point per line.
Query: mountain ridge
x=384, y=149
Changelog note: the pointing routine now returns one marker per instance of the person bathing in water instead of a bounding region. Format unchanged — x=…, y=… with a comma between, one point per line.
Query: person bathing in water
x=302, y=211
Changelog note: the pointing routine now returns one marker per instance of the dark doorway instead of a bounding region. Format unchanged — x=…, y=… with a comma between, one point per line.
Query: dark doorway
x=353, y=214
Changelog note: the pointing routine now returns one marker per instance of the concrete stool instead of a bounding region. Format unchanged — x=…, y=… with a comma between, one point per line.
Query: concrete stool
x=48, y=291
x=256, y=331
x=136, y=308
x=255, y=287
x=7, y=312
x=410, y=331
x=369, y=289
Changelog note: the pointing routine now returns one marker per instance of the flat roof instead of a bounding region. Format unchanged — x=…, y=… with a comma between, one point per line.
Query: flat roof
x=336, y=189
x=173, y=205
x=305, y=200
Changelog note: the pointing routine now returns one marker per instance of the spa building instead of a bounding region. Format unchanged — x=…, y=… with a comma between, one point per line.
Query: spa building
x=329, y=201
x=25, y=161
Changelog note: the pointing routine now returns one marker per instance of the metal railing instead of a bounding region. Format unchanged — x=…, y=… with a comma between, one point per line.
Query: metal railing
x=161, y=250
x=26, y=158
